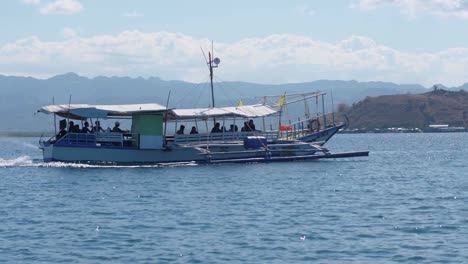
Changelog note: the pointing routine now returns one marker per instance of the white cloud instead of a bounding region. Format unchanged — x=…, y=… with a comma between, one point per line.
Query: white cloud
x=32, y=2
x=272, y=59
x=62, y=7
x=69, y=33
x=444, y=8
x=133, y=14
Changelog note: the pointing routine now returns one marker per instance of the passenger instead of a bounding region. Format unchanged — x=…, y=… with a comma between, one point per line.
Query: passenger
x=71, y=127
x=181, y=130
x=85, y=128
x=233, y=128
x=62, y=131
x=245, y=128
x=97, y=127
x=216, y=128
x=117, y=128
x=252, y=125
x=193, y=131
x=77, y=129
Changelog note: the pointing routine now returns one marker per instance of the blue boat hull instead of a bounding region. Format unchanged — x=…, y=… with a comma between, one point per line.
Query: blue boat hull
x=322, y=135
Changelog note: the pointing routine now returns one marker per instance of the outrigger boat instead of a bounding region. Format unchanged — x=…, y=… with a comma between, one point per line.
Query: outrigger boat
x=149, y=142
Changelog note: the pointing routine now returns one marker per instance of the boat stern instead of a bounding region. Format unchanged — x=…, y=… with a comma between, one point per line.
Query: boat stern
x=47, y=151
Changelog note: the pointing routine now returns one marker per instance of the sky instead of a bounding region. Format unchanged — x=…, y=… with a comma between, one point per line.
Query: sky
x=401, y=41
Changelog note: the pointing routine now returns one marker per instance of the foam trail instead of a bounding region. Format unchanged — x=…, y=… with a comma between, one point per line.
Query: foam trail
x=26, y=161
x=107, y=166
x=18, y=162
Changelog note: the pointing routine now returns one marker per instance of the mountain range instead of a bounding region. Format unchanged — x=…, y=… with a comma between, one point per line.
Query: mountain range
x=20, y=97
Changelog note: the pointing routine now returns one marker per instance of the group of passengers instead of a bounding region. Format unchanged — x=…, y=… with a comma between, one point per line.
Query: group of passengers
x=248, y=127
x=75, y=128
x=181, y=130
x=72, y=128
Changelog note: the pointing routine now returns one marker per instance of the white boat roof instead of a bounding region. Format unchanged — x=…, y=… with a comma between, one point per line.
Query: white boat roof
x=84, y=111
x=245, y=111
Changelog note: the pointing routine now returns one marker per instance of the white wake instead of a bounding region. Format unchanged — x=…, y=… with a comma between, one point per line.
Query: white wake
x=26, y=161
x=22, y=161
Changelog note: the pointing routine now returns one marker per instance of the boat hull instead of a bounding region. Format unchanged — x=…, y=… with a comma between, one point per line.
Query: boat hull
x=321, y=136
x=199, y=153
x=119, y=155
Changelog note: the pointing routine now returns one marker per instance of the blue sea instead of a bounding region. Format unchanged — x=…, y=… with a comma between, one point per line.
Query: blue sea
x=405, y=203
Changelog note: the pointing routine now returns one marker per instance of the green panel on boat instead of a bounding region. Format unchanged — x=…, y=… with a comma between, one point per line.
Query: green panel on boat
x=147, y=124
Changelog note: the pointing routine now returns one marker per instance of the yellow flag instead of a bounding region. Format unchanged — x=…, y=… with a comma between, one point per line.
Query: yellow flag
x=282, y=101
x=240, y=102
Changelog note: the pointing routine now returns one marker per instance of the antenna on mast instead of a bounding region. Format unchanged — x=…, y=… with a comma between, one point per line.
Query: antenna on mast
x=212, y=63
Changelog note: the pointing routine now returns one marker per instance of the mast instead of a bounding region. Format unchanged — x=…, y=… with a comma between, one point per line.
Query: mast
x=210, y=64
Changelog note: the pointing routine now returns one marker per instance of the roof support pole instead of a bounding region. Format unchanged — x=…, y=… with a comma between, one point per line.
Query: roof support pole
x=323, y=110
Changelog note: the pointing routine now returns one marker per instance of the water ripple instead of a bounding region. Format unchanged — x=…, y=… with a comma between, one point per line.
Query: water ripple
x=406, y=203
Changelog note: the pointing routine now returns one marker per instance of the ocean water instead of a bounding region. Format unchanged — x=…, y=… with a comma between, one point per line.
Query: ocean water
x=405, y=203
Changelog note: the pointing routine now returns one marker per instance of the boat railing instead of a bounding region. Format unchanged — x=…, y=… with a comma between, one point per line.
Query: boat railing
x=117, y=139
x=223, y=137
x=77, y=139
x=109, y=137
x=301, y=127
x=99, y=139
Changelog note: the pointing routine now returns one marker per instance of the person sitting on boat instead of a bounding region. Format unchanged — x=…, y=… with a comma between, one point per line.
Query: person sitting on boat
x=97, y=127
x=85, y=128
x=251, y=125
x=71, y=125
x=181, y=130
x=117, y=128
x=231, y=128
x=61, y=134
x=63, y=130
x=216, y=128
x=245, y=128
x=72, y=128
x=193, y=131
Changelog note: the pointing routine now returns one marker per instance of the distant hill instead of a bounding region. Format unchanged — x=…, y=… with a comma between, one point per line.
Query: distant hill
x=410, y=110
x=20, y=97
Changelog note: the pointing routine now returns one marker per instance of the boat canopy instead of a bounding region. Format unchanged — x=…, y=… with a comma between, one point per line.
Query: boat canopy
x=84, y=111
x=244, y=111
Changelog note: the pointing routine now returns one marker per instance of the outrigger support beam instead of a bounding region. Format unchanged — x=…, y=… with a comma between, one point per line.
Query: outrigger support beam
x=291, y=158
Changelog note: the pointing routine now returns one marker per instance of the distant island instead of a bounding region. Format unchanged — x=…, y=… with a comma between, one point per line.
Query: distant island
x=437, y=110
